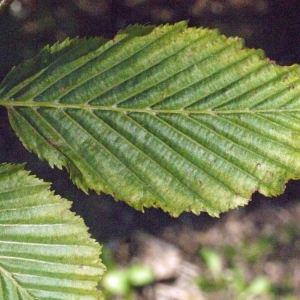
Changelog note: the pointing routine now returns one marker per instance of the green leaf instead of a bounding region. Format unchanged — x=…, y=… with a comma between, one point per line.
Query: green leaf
x=45, y=251
x=172, y=117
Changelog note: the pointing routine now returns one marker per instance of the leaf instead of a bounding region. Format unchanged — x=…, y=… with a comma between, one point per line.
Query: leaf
x=172, y=117
x=45, y=251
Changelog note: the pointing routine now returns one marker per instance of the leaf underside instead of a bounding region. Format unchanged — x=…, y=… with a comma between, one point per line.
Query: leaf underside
x=173, y=117
x=45, y=251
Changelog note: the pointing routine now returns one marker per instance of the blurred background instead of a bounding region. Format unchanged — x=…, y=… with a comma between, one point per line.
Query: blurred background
x=249, y=253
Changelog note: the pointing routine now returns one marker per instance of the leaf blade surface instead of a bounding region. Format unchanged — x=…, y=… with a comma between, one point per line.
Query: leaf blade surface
x=45, y=251
x=173, y=117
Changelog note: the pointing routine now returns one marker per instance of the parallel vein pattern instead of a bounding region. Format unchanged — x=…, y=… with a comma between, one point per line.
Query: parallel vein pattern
x=45, y=251
x=172, y=117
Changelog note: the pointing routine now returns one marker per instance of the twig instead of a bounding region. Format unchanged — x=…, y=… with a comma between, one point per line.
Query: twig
x=4, y=4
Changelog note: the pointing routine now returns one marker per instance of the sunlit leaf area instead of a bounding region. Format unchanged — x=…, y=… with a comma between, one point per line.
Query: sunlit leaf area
x=250, y=252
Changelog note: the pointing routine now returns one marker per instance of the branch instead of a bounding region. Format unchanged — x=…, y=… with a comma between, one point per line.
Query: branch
x=4, y=4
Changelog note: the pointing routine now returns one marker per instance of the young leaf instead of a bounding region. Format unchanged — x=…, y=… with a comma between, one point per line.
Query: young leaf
x=172, y=117
x=45, y=251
